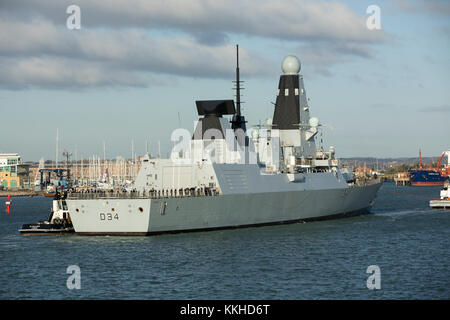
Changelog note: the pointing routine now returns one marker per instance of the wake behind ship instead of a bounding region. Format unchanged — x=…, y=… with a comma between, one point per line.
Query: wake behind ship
x=226, y=176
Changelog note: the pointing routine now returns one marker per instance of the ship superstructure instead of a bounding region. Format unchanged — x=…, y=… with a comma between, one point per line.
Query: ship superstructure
x=225, y=176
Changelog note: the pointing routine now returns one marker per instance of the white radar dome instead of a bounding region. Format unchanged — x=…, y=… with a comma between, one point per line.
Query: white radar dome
x=314, y=122
x=290, y=65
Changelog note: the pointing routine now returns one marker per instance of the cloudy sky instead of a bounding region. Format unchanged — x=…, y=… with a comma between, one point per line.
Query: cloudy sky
x=135, y=68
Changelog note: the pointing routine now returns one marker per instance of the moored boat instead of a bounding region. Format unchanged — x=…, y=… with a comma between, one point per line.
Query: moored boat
x=444, y=201
x=426, y=177
x=423, y=177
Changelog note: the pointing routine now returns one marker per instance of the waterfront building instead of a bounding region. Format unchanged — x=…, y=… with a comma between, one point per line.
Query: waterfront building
x=13, y=174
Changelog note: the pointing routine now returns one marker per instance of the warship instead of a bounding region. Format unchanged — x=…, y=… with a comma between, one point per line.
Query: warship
x=225, y=176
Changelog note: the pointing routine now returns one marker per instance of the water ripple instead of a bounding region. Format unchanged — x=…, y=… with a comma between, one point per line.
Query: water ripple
x=317, y=260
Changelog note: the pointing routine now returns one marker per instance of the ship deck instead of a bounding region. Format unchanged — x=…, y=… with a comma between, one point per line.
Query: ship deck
x=166, y=194
x=143, y=195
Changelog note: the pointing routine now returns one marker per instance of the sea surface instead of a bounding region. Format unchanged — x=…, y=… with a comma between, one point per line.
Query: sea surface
x=402, y=236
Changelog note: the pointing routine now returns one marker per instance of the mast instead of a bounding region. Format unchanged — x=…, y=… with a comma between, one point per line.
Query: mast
x=82, y=169
x=132, y=150
x=420, y=159
x=76, y=163
x=238, y=84
x=159, y=149
x=238, y=120
x=57, y=142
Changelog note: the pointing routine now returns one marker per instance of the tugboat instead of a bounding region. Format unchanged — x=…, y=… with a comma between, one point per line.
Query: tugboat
x=58, y=222
x=444, y=201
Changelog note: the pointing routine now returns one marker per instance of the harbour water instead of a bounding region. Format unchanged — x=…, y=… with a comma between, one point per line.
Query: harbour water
x=407, y=240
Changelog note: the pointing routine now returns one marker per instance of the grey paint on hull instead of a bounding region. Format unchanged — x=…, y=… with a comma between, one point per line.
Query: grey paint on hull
x=216, y=212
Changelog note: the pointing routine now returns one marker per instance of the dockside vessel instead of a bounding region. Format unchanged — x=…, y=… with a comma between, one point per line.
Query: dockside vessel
x=430, y=176
x=444, y=201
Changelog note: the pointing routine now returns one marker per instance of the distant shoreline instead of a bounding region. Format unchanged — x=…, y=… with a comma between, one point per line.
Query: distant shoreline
x=21, y=193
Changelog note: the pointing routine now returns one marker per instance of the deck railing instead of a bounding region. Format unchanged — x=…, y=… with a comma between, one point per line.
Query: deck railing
x=160, y=194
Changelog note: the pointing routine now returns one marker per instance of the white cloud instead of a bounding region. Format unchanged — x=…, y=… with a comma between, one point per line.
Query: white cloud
x=438, y=109
x=42, y=54
x=321, y=56
x=436, y=7
x=117, y=44
x=57, y=73
x=287, y=19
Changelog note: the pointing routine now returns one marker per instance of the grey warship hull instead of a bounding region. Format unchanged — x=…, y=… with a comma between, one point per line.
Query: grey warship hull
x=293, y=202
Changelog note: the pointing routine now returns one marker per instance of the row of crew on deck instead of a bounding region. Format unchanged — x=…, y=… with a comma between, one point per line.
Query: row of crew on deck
x=164, y=193
x=187, y=192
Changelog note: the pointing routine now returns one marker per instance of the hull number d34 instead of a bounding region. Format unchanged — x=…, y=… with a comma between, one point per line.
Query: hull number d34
x=109, y=216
